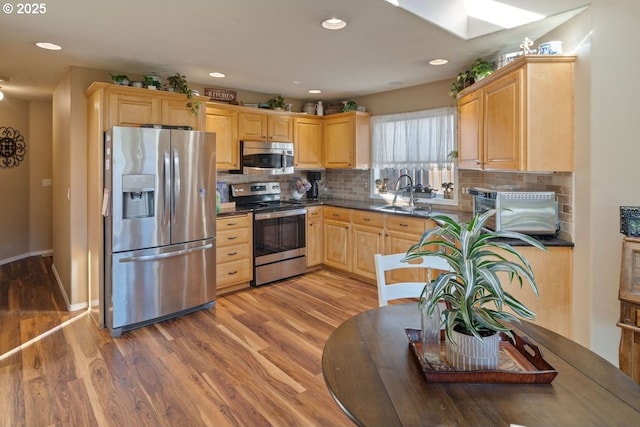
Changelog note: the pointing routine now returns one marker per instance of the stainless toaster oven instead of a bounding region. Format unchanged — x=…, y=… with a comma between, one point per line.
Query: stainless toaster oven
x=528, y=212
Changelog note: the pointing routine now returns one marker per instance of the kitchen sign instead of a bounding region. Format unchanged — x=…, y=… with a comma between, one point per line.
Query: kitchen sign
x=223, y=95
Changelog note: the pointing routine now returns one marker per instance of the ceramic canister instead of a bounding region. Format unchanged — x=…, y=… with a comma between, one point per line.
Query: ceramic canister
x=309, y=108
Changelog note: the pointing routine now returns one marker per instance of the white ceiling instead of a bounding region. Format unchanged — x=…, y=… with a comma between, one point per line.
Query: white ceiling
x=268, y=46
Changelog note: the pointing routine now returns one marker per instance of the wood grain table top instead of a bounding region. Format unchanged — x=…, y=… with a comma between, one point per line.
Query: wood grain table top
x=371, y=372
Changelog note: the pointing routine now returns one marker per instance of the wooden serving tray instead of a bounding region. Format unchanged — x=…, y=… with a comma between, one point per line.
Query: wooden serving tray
x=520, y=363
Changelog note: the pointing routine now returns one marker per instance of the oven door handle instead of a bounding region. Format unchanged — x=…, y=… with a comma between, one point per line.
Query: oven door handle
x=279, y=214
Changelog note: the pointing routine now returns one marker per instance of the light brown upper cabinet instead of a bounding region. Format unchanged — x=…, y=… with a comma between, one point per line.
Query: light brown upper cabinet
x=347, y=140
x=224, y=122
x=129, y=106
x=259, y=126
x=520, y=118
x=307, y=142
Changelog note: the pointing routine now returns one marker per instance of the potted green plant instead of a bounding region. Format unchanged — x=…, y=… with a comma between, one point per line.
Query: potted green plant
x=463, y=80
x=475, y=299
x=178, y=83
x=480, y=69
x=151, y=83
x=120, y=79
x=276, y=103
x=349, y=106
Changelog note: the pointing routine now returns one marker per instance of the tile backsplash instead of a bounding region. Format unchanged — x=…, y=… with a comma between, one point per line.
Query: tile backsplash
x=354, y=185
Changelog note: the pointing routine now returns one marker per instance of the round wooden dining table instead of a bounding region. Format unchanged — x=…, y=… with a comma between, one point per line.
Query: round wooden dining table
x=374, y=376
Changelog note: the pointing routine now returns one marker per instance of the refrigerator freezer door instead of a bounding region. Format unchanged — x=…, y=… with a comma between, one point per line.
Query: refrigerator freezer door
x=193, y=162
x=150, y=284
x=139, y=188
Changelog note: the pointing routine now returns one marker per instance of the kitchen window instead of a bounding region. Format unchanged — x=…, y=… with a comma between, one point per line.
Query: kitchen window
x=419, y=144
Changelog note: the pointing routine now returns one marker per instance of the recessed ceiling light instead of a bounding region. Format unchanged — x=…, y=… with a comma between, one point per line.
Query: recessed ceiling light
x=1, y=95
x=439, y=61
x=217, y=75
x=333, y=24
x=48, y=46
x=315, y=91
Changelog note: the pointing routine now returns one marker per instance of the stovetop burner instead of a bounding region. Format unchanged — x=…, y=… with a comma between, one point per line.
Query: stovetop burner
x=272, y=205
x=261, y=197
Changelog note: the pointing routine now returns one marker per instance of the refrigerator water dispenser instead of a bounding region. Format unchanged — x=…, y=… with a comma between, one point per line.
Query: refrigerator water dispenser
x=138, y=196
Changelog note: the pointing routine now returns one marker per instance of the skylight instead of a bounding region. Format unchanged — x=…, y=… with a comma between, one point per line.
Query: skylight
x=500, y=14
x=469, y=19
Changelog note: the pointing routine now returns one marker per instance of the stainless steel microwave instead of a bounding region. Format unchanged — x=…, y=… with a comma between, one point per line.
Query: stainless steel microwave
x=528, y=212
x=266, y=158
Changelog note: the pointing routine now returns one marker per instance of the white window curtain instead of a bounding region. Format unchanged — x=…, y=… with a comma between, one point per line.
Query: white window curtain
x=413, y=140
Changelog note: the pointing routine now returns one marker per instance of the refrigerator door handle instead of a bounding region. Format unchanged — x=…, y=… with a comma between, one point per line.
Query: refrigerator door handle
x=176, y=185
x=166, y=188
x=157, y=257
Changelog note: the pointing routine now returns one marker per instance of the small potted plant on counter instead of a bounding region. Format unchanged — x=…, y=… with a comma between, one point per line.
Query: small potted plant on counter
x=476, y=302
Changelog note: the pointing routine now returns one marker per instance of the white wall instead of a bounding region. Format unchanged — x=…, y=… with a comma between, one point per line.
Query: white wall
x=14, y=186
x=612, y=170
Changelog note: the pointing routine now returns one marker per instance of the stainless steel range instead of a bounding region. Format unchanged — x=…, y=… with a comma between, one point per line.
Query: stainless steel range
x=279, y=238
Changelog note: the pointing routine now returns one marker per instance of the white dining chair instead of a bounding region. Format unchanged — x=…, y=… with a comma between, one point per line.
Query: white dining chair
x=392, y=291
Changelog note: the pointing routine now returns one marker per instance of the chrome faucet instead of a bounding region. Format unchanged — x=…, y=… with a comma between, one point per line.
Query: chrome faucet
x=404, y=175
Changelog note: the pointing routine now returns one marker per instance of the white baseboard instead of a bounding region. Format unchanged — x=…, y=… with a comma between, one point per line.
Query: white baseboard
x=70, y=307
x=47, y=252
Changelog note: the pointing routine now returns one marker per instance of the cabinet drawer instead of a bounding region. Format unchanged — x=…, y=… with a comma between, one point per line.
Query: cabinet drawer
x=314, y=212
x=232, y=222
x=405, y=224
x=368, y=218
x=232, y=237
x=233, y=272
x=227, y=253
x=336, y=214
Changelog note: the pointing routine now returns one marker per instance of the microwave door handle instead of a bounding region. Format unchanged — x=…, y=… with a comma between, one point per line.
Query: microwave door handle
x=284, y=160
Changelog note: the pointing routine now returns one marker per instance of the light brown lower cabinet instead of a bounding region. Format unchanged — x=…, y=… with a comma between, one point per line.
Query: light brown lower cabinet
x=314, y=236
x=401, y=233
x=554, y=277
x=336, y=226
x=368, y=239
x=234, y=253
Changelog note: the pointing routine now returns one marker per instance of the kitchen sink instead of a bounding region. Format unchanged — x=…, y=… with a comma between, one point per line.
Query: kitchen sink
x=418, y=210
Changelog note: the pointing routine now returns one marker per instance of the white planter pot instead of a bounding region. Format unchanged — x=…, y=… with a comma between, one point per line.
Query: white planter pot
x=470, y=354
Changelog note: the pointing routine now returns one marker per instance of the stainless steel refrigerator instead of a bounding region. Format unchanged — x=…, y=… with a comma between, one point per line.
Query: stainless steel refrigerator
x=160, y=215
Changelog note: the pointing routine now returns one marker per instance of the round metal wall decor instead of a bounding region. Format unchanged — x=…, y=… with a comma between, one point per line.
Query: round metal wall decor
x=12, y=147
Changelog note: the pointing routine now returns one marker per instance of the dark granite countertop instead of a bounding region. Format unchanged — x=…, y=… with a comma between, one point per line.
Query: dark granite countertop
x=438, y=210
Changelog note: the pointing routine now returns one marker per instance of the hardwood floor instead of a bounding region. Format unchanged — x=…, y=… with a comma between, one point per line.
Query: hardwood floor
x=253, y=360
